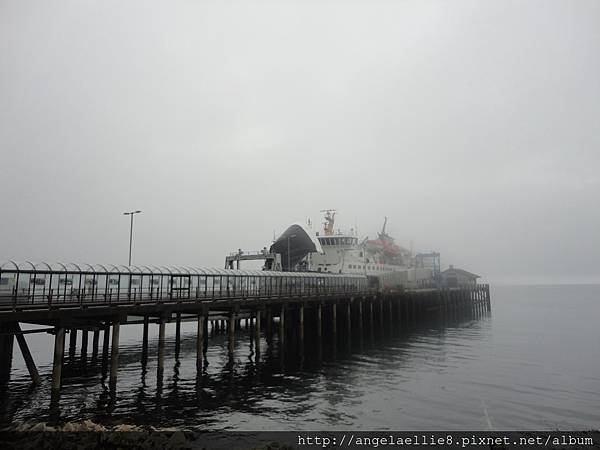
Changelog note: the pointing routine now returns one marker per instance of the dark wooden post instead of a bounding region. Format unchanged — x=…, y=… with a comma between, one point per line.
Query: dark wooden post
x=161, y=349
x=334, y=318
x=232, y=322
x=177, y=334
x=33, y=372
x=360, y=322
x=72, y=342
x=6, y=350
x=95, y=339
x=301, y=324
x=114, y=355
x=200, y=342
x=145, y=339
x=84, y=344
x=282, y=324
x=59, y=349
x=257, y=332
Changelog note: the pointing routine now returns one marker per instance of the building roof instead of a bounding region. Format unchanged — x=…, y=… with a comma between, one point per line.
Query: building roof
x=458, y=271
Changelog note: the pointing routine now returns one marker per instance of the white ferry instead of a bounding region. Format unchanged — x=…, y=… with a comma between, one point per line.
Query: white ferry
x=342, y=252
x=300, y=248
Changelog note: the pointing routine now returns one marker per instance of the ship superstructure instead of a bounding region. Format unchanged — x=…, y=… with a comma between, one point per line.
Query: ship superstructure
x=343, y=253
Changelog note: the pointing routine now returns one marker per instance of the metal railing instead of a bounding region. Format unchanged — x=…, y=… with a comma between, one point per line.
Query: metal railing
x=28, y=285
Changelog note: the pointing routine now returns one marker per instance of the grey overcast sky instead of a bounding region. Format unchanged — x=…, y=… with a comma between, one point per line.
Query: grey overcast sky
x=473, y=125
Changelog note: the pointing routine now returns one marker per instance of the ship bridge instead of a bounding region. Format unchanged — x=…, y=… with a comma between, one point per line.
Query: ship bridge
x=294, y=244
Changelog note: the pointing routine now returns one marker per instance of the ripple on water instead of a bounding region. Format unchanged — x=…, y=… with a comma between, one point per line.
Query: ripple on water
x=510, y=370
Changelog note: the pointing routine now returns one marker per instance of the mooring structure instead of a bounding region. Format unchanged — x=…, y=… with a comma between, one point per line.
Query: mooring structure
x=65, y=300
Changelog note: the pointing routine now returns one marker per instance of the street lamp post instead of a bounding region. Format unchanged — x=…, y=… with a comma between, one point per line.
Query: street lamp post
x=288, y=252
x=131, y=213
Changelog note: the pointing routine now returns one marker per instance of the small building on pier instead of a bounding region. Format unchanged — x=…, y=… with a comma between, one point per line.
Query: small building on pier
x=454, y=277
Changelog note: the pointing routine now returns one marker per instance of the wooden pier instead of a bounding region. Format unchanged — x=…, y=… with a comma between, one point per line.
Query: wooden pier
x=297, y=313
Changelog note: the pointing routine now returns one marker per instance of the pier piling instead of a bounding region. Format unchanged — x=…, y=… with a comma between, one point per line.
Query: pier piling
x=161, y=350
x=84, y=344
x=31, y=368
x=59, y=349
x=200, y=342
x=95, y=339
x=114, y=355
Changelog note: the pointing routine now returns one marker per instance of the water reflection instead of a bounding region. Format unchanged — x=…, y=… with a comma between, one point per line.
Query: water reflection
x=273, y=379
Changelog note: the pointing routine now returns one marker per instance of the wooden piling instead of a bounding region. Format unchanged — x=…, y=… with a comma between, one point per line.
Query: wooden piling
x=371, y=322
x=232, y=322
x=391, y=317
x=31, y=368
x=282, y=324
x=114, y=355
x=349, y=321
x=319, y=321
x=6, y=350
x=269, y=319
x=257, y=333
x=334, y=318
x=84, y=344
x=105, y=342
x=301, y=323
x=59, y=349
x=360, y=320
x=145, y=339
x=95, y=339
x=177, y=334
x=72, y=342
x=200, y=343
x=161, y=349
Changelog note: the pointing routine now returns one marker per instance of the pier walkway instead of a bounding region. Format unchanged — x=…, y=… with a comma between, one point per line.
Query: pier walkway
x=69, y=298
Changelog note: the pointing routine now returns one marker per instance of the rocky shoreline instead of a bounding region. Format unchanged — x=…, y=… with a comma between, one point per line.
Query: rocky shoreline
x=88, y=434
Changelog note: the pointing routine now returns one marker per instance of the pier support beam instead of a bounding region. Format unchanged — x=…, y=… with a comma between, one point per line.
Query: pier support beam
x=391, y=317
x=257, y=333
x=59, y=349
x=301, y=324
x=319, y=321
x=6, y=351
x=349, y=317
x=72, y=342
x=84, y=344
x=282, y=325
x=334, y=318
x=177, y=334
x=360, y=321
x=105, y=341
x=200, y=342
x=269, y=318
x=161, y=350
x=95, y=339
x=114, y=354
x=145, y=340
x=33, y=372
x=232, y=322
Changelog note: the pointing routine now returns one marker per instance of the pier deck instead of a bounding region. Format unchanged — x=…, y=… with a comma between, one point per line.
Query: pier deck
x=70, y=300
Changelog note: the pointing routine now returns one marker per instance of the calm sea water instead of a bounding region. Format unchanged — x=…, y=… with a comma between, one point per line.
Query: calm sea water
x=533, y=363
